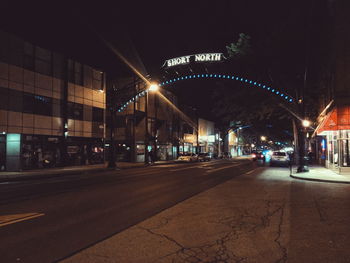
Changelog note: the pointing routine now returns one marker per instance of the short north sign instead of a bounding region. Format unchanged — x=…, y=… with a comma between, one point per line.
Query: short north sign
x=205, y=57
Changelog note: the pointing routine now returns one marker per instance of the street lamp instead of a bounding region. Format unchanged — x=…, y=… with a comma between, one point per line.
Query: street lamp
x=153, y=87
x=263, y=138
x=306, y=123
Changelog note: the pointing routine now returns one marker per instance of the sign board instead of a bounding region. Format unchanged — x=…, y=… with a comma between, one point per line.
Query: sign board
x=184, y=60
x=190, y=138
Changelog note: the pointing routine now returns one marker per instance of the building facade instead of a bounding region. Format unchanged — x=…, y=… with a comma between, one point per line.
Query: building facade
x=333, y=145
x=52, y=108
x=154, y=111
x=170, y=131
x=208, y=140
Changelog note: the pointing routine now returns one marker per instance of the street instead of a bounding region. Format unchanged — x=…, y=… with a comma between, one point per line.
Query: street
x=250, y=213
x=261, y=216
x=66, y=214
x=138, y=131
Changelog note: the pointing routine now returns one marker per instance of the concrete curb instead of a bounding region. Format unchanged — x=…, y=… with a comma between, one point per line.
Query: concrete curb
x=51, y=174
x=48, y=175
x=319, y=180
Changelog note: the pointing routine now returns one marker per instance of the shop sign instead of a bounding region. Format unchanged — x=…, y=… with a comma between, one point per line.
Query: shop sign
x=72, y=149
x=189, y=138
x=204, y=57
x=207, y=138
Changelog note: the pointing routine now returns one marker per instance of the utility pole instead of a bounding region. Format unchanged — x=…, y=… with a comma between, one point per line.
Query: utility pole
x=301, y=98
x=146, y=128
x=197, y=119
x=112, y=152
x=155, y=126
x=133, y=146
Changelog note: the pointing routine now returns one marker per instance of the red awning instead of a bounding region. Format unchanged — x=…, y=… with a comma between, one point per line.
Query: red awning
x=337, y=119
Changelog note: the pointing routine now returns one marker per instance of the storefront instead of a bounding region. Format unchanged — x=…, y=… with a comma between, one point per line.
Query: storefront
x=186, y=148
x=188, y=144
x=26, y=152
x=335, y=130
x=165, y=152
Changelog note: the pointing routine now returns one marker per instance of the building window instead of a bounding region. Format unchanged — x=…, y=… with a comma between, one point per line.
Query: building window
x=4, y=47
x=15, y=100
x=42, y=105
x=28, y=59
x=58, y=66
x=75, y=111
x=43, y=59
x=75, y=72
x=28, y=103
x=87, y=113
x=97, y=114
x=4, y=98
x=78, y=73
x=16, y=51
x=97, y=80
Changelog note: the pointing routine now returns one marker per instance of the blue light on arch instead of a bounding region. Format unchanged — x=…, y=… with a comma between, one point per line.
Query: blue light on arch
x=141, y=94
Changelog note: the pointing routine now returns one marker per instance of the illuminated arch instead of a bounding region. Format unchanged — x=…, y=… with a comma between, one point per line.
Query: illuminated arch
x=276, y=92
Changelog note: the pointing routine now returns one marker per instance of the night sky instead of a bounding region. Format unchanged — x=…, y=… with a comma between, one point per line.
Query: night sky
x=149, y=32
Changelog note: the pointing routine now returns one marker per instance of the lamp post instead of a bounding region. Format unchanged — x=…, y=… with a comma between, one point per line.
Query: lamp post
x=112, y=151
x=302, y=162
x=152, y=88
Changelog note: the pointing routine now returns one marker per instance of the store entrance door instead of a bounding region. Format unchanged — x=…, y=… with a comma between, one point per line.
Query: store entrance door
x=344, y=153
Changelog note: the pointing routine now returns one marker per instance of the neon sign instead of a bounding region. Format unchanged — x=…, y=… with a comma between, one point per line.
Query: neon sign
x=204, y=57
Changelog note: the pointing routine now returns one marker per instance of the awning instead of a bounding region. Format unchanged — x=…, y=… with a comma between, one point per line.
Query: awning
x=337, y=119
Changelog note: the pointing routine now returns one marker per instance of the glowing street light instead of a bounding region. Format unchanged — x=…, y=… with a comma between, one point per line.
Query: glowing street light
x=306, y=123
x=153, y=87
x=263, y=138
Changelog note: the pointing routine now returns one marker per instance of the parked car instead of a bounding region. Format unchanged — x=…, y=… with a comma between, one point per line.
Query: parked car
x=258, y=156
x=189, y=157
x=225, y=155
x=204, y=157
x=279, y=158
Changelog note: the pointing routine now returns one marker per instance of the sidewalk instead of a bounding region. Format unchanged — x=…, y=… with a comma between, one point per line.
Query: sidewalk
x=70, y=170
x=321, y=174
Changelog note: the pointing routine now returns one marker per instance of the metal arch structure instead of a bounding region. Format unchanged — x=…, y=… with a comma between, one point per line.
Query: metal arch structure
x=252, y=83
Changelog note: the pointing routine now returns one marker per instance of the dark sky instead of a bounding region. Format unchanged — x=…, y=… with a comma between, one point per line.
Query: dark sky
x=158, y=30
x=149, y=32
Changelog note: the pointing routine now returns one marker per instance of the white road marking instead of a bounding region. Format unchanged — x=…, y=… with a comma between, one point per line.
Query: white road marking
x=180, y=169
x=252, y=171
x=15, y=218
x=221, y=168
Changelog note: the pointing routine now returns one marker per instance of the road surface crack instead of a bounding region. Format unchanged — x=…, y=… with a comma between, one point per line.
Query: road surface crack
x=321, y=212
x=279, y=233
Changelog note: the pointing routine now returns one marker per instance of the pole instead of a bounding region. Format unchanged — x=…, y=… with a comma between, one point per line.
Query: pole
x=111, y=161
x=133, y=147
x=302, y=163
x=146, y=128
x=155, y=126
x=296, y=142
x=301, y=100
x=198, y=149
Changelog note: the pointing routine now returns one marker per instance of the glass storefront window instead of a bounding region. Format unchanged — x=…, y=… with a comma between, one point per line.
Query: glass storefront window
x=339, y=148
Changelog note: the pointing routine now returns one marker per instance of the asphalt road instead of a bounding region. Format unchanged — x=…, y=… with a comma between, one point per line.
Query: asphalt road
x=261, y=216
x=50, y=219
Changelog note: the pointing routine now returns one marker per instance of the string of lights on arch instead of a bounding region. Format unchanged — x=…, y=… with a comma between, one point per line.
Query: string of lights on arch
x=276, y=92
